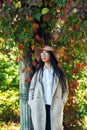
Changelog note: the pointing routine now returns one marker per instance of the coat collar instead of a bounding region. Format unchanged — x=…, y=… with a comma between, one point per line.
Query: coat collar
x=56, y=80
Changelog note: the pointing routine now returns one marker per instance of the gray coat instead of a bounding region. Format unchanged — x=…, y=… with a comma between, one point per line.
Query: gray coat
x=36, y=102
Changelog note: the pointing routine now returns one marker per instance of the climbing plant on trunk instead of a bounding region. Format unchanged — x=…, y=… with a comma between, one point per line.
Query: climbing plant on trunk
x=62, y=24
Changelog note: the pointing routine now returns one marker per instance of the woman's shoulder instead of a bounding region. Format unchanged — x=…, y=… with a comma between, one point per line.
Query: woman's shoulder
x=60, y=70
x=36, y=73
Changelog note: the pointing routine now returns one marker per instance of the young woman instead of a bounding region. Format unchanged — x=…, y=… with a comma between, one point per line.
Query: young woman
x=48, y=91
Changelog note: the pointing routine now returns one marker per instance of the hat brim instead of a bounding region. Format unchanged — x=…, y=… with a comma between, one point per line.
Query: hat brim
x=38, y=50
x=37, y=53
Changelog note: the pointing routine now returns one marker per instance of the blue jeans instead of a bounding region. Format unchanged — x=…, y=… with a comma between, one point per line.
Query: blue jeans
x=48, y=123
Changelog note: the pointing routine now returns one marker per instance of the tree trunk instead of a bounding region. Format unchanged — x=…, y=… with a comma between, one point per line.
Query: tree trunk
x=25, y=119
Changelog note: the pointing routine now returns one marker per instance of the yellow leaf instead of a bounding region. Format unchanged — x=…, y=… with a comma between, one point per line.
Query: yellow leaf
x=32, y=47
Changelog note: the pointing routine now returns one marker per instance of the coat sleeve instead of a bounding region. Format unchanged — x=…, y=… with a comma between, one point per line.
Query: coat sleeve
x=65, y=94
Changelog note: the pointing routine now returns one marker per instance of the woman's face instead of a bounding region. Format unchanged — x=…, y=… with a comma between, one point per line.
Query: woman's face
x=45, y=56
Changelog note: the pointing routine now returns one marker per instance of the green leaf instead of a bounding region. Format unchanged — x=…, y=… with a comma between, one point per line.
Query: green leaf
x=36, y=13
x=45, y=11
x=75, y=10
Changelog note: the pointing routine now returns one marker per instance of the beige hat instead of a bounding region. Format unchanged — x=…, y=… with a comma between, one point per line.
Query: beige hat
x=38, y=50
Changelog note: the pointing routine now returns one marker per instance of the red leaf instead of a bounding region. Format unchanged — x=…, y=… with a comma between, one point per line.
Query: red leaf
x=27, y=79
x=23, y=70
x=28, y=69
x=17, y=59
x=21, y=46
x=34, y=63
x=37, y=37
x=73, y=85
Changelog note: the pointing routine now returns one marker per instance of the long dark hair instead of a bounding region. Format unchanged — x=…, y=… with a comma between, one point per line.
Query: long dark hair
x=57, y=70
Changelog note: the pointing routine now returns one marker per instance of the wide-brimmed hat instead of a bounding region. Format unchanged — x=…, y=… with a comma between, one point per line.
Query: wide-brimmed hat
x=38, y=50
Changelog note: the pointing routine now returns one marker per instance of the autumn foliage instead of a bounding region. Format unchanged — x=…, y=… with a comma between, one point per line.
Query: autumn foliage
x=62, y=24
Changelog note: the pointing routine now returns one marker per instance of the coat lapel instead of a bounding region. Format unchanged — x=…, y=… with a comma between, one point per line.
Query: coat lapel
x=56, y=81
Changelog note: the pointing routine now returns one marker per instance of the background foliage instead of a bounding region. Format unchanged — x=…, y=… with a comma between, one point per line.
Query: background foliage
x=9, y=91
x=63, y=24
